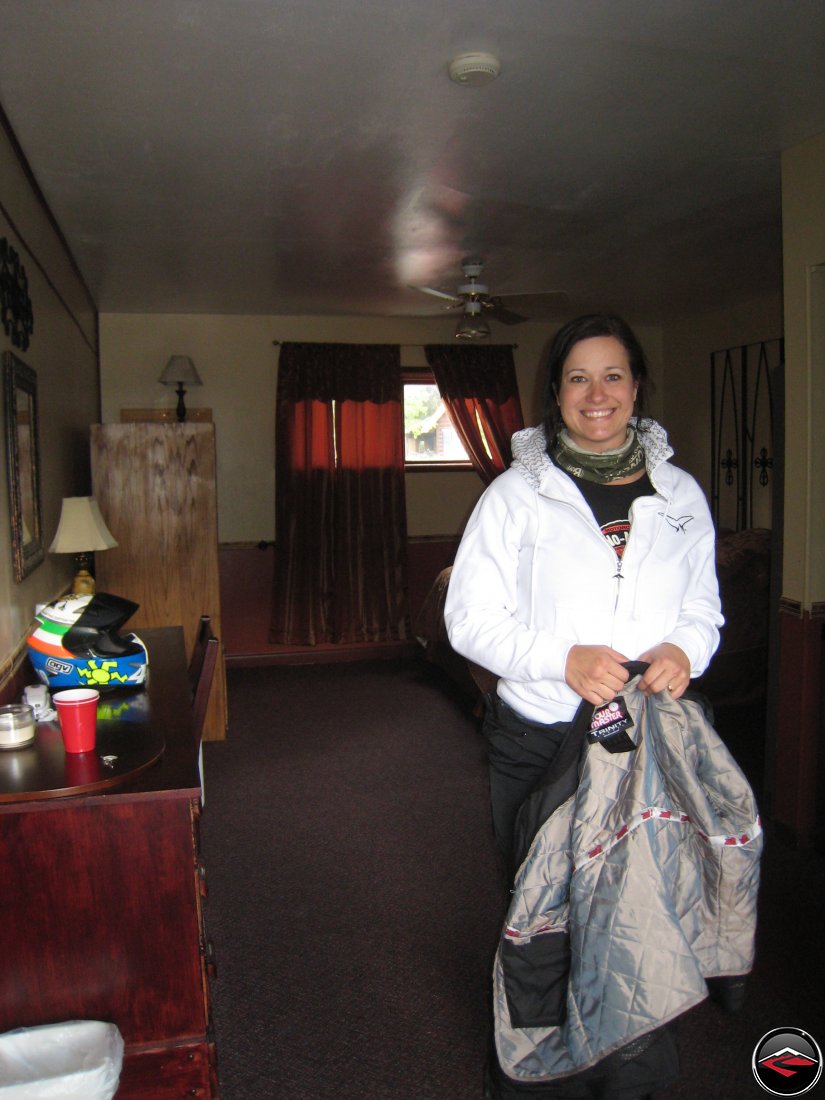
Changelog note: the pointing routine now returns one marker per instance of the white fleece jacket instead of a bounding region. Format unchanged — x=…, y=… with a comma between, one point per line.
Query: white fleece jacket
x=534, y=576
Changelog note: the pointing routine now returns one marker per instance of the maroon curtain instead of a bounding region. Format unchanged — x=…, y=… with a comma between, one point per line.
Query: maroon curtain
x=340, y=551
x=479, y=388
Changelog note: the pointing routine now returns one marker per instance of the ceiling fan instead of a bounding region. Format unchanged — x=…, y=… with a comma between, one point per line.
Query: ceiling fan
x=474, y=299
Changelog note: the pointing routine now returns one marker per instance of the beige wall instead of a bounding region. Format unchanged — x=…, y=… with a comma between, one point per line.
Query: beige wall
x=63, y=353
x=237, y=362
x=803, y=217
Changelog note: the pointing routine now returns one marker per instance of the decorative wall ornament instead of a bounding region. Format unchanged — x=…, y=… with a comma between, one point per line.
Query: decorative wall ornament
x=742, y=433
x=15, y=303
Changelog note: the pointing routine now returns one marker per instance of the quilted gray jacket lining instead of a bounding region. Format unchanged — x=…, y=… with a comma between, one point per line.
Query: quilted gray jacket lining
x=641, y=885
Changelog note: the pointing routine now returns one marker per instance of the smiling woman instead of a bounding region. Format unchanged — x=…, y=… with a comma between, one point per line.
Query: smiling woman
x=590, y=556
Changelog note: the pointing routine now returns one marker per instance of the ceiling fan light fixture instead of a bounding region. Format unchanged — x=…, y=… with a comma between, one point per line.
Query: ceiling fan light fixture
x=474, y=69
x=472, y=324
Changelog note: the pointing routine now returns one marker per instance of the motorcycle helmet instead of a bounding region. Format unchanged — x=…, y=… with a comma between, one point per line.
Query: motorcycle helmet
x=74, y=642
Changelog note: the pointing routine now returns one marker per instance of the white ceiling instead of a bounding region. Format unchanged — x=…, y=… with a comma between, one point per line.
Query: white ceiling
x=313, y=157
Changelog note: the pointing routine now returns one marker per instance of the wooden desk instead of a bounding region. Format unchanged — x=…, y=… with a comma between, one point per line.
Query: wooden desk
x=127, y=742
x=101, y=901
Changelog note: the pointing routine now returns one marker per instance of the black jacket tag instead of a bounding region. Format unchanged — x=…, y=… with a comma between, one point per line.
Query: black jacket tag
x=609, y=726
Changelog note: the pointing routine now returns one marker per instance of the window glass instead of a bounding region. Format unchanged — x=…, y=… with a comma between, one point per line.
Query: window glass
x=429, y=435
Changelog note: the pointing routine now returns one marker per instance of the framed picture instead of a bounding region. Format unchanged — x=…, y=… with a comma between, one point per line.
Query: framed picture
x=23, y=459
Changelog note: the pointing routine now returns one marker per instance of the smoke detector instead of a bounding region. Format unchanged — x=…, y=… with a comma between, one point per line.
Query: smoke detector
x=474, y=69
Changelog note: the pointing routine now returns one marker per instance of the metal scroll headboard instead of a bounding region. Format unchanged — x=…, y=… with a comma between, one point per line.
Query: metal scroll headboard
x=742, y=433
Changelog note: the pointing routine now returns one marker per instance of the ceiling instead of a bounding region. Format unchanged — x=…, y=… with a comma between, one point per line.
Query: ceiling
x=313, y=156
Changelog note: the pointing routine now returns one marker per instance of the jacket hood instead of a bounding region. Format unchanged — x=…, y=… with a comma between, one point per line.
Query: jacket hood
x=531, y=460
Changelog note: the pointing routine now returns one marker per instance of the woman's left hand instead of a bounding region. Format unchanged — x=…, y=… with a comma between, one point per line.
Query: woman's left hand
x=669, y=668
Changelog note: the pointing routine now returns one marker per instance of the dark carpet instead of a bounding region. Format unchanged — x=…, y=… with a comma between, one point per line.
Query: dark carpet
x=355, y=899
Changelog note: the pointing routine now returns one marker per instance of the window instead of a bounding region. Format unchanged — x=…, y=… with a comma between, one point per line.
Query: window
x=430, y=439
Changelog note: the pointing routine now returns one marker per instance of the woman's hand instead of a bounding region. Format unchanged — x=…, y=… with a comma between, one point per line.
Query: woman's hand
x=595, y=672
x=669, y=668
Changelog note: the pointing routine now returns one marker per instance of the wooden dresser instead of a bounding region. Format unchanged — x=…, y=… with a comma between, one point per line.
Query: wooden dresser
x=103, y=896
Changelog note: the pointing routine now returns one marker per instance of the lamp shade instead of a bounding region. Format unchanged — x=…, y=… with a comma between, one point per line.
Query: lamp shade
x=81, y=528
x=180, y=370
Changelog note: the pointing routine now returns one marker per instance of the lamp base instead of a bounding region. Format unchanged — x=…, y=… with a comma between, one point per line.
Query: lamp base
x=83, y=583
x=181, y=409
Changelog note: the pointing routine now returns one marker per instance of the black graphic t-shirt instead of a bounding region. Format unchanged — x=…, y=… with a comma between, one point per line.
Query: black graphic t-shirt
x=610, y=504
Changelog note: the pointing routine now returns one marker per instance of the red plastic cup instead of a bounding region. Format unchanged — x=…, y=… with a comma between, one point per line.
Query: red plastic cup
x=77, y=713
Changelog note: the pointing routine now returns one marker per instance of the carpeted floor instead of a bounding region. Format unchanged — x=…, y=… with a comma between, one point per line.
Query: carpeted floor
x=355, y=899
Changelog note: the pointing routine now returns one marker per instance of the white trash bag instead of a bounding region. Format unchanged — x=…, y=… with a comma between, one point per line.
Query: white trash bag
x=77, y=1060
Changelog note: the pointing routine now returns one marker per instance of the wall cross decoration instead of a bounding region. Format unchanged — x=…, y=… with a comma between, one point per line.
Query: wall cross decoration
x=763, y=463
x=729, y=464
x=15, y=303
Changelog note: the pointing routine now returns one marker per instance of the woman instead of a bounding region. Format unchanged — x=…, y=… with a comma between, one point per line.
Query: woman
x=590, y=551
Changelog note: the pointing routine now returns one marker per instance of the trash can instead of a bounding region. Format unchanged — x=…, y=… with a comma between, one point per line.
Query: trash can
x=76, y=1060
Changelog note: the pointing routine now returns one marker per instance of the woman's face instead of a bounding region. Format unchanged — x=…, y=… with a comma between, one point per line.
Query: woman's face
x=596, y=393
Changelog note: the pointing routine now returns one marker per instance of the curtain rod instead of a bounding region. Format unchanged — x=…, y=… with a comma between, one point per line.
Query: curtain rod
x=401, y=343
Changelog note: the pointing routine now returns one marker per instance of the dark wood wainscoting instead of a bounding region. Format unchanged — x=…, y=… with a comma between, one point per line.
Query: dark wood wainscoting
x=799, y=769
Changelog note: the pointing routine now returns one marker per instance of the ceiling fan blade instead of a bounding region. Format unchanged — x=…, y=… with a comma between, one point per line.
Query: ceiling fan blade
x=497, y=309
x=451, y=298
x=535, y=307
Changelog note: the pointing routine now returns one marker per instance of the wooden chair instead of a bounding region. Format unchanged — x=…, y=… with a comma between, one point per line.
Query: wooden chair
x=201, y=672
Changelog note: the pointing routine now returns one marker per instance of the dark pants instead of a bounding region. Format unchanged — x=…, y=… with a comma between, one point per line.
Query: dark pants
x=519, y=752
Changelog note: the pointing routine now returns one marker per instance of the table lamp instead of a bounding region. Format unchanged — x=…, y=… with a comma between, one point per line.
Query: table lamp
x=81, y=531
x=178, y=371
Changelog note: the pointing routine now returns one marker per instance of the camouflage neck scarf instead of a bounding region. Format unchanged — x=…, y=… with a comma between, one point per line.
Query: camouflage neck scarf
x=601, y=467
